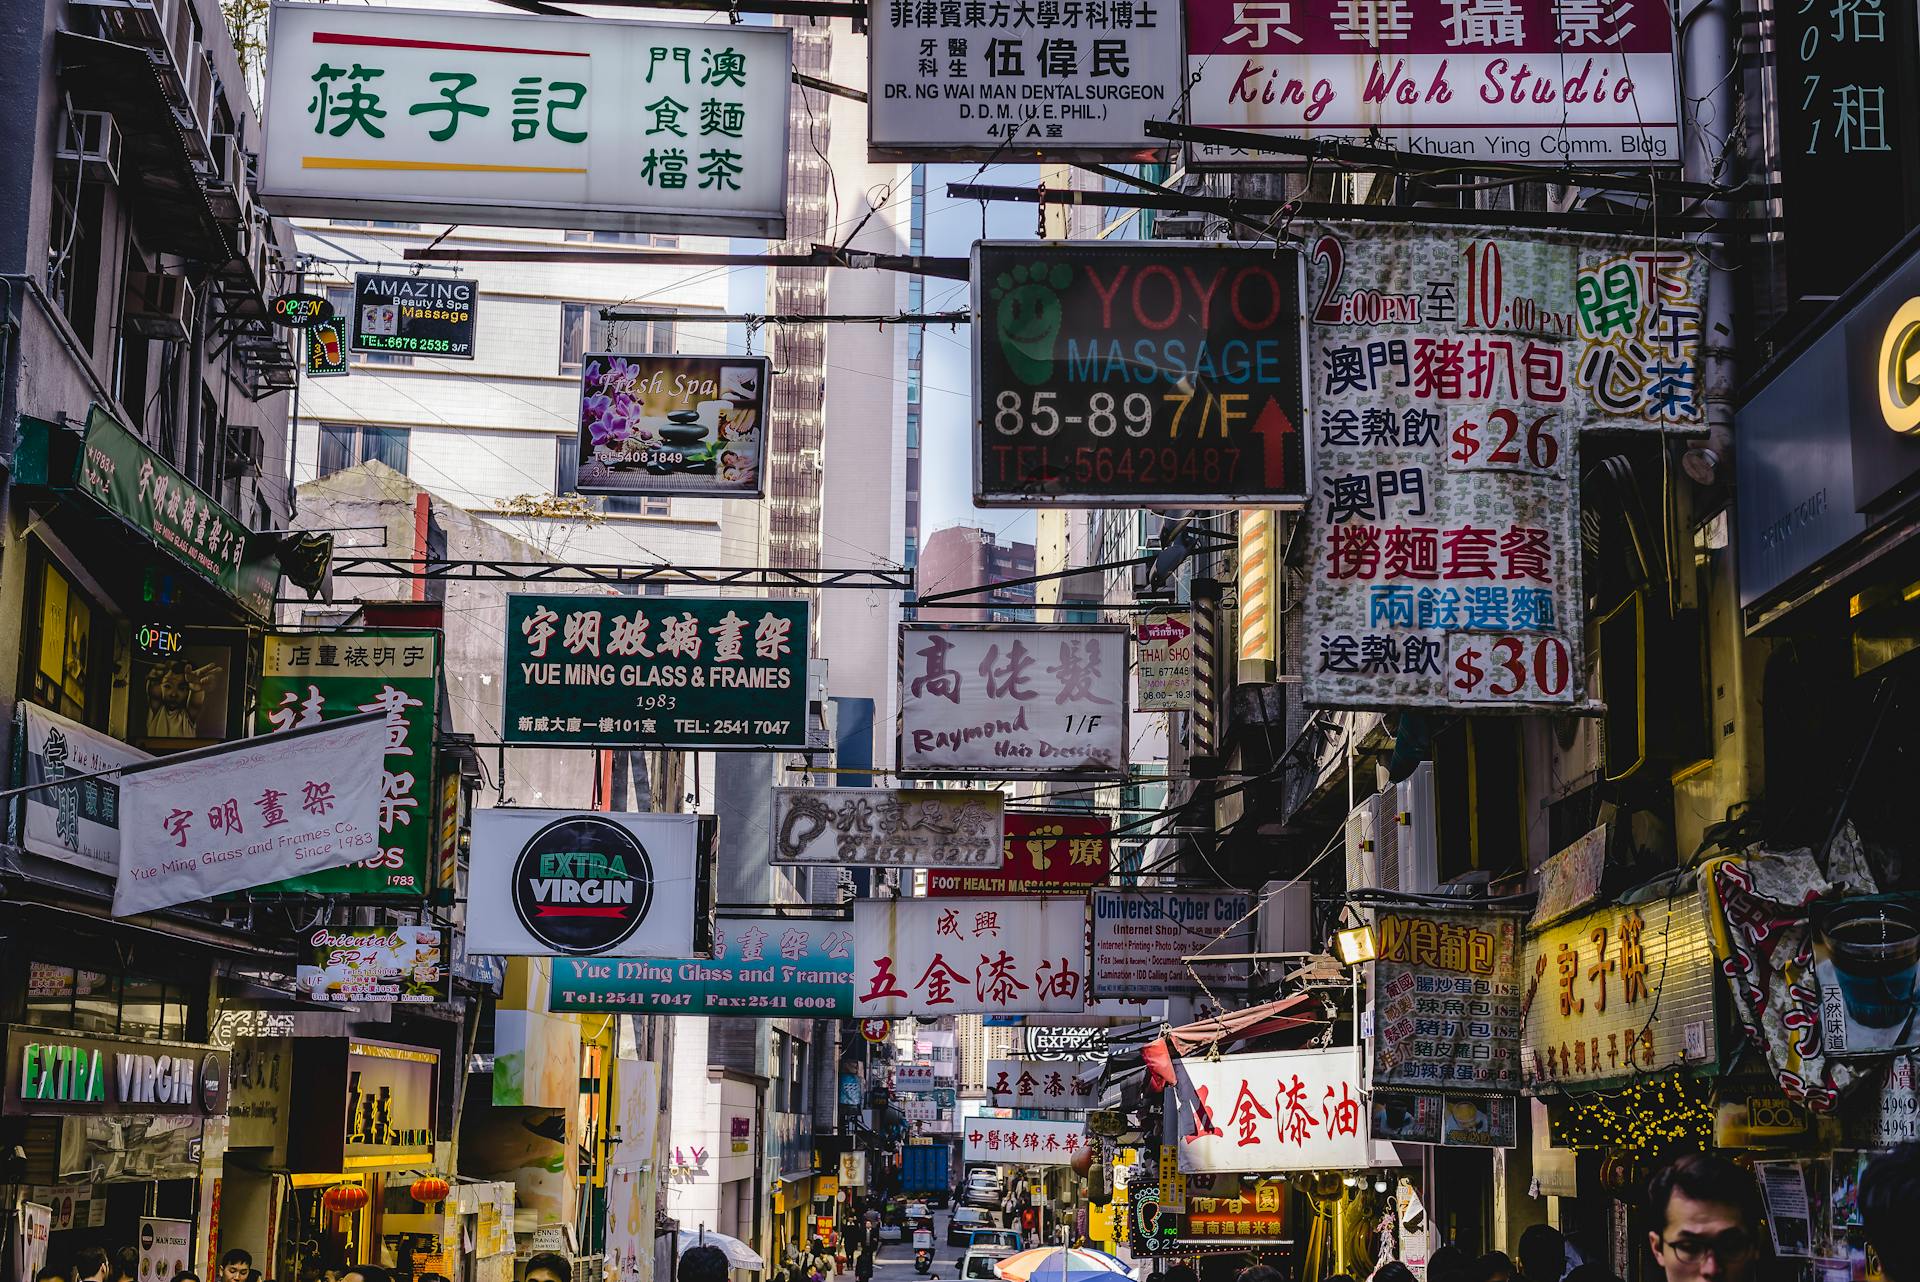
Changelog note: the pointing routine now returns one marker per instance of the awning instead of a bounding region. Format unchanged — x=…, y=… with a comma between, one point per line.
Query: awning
x=1301, y=1012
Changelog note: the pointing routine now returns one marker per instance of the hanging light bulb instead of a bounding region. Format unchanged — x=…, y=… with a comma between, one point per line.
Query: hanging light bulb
x=1379, y=1186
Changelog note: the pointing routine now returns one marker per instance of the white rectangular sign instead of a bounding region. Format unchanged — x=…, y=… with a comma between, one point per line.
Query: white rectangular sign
x=918, y=1109
x=1013, y=702
x=944, y=83
x=1539, y=81
x=913, y=1077
x=248, y=813
x=1002, y=1141
x=553, y=883
x=1277, y=1111
x=1044, y=1083
x=1163, y=672
x=887, y=827
x=76, y=823
x=934, y=957
x=1141, y=938
x=509, y=120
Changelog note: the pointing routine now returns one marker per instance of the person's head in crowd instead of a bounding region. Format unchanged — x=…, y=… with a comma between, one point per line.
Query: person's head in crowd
x=126, y=1264
x=1889, y=1193
x=1259, y=1273
x=50, y=1274
x=1592, y=1273
x=365, y=1273
x=1393, y=1271
x=1543, y=1253
x=549, y=1266
x=703, y=1264
x=90, y=1264
x=1338, y=1277
x=1494, y=1266
x=1703, y=1214
x=235, y=1264
x=1446, y=1259
x=1182, y=1273
x=186, y=1275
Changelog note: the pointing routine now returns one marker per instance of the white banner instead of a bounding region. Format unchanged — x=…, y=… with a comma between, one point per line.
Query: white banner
x=1278, y=1111
x=551, y=883
x=76, y=823
x=917, y=1108
x=1454, y=370
x=1044, y=1083
x=913, y=1077
x=943, y=85
x=541, y=122
x=934, y=957
x=887, y=827
x=250, y=812
x=1141, y=936
x=1013, y=702
x=1163, y=672
x=1010, y=1143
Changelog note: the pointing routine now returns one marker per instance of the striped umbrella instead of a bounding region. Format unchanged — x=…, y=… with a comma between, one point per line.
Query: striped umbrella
x=1060, y=1264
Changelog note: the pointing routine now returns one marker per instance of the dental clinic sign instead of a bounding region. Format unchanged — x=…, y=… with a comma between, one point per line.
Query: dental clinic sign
x=1531, y=81
x=560, y=122
x=51, y=1073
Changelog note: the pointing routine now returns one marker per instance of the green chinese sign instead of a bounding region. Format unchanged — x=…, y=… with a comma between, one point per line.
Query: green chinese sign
x=679, y=672
x=119, y=471
x=309, y=677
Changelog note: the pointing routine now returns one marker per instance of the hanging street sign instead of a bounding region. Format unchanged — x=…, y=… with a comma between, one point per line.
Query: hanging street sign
x=672, y=424
x=415, y=315
x=1137, y=374
x=656, y=672
x=887, y=827
x=1163, y=662
x=432, y=115
x=299, y=311
x=1046, y=854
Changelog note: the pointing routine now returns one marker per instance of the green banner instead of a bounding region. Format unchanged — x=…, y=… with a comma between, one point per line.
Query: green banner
x=120, y=472
x=680, y=672
x=308, y=677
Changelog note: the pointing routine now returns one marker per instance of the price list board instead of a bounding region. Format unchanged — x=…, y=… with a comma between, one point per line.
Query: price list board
x=1452, y=375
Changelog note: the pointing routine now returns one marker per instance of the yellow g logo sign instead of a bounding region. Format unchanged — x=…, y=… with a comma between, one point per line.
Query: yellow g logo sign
x=1897, y=376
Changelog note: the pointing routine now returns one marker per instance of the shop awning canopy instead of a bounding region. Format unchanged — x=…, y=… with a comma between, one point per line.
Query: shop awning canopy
x=1301, y=1013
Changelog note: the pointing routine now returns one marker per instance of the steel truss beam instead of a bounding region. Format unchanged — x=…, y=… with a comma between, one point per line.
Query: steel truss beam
x=868, y=578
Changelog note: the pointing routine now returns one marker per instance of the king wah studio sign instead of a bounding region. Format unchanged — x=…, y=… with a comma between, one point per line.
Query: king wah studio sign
x=55, y=1074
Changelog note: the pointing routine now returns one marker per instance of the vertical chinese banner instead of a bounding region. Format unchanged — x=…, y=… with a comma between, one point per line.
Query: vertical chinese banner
x=1453, y=374
x=312, y=677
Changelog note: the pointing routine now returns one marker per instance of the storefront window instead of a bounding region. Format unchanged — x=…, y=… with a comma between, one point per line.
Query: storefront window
x=49, y=995
x=142, y=1008
x=96, y=1001
x=63, y=652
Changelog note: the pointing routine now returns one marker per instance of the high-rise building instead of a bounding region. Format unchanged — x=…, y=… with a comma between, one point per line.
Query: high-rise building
x=965, y=556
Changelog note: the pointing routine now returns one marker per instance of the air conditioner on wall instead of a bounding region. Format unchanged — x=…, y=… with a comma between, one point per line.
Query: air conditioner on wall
x=90, y=143
x=158, y=304
x=1390, y=837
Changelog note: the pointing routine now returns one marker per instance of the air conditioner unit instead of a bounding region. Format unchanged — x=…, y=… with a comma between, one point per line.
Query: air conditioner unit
x=90, y=144
x=158, y=304
x=246, y=448
x=1362, y=868
x=226, y=158
x=1286, y=918
x=1385, y=806
x=134, y=21
x=1179, y=226
x=1418, y=841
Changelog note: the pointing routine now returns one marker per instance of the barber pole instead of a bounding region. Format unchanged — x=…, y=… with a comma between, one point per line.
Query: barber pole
x=1204, y=739
x=1256, y=596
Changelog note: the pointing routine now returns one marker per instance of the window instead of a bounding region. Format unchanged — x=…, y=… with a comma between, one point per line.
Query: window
x=639, y=239
x=566, y=475
x=345, y=445
x=582, y=330
x=73, y=259
x=341, y=296
x=67, y=661
x=366, y=222
x=94, y=1001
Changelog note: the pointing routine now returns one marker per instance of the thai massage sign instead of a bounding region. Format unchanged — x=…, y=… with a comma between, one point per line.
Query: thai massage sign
x=1453, y=373
x=538, y=122
x=887, y=827
x=1446, y=995
x=969, y=956
x=1546, y=81
x=1013, y=701
x=656, y=672
x=1617, y=993
x=1278, y=1111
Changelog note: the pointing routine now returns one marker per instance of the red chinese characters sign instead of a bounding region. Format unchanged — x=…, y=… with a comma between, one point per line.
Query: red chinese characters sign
x=1446, y=992
x=1278, y=1111
x=969, y=956
x=992, y=1139
x=1036, y=1083
x=1045, y=855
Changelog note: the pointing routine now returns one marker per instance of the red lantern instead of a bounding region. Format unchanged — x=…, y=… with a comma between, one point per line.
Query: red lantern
x=429, y=1189
x=344, y=1199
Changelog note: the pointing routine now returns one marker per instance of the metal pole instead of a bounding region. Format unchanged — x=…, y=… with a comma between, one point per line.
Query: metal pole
x=1709, y=155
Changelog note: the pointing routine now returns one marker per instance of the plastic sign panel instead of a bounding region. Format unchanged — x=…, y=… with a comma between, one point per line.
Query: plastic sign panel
x=762, y=968
x=1035, y=1083
x=672, y=424
x=249, y=813
x=1129, y=374
x=77, y=823
x=887, y=827
x=416, y=315
x=1045, y=855
x=656, y=672
x=1012, y=701
x=1541, y=81
x=559, y=883
x=1454, y=372
x=914, y=1077
x=436, y=115
x=935, y=957
x=406, y=964
x=1163, y=663
x=327, y=349
x=944, y=84
x=1015, y=1143
x=1447, y=996
x=1277, y=1111
x=1142, y=938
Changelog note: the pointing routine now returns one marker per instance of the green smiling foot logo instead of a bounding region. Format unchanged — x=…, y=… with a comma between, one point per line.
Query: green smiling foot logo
x=1027, y=317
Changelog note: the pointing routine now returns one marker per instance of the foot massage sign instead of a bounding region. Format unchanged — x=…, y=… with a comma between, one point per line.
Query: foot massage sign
x=1112, y=374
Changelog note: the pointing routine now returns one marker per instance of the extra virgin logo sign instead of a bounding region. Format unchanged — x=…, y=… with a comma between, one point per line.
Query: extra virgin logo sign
x=582, y=885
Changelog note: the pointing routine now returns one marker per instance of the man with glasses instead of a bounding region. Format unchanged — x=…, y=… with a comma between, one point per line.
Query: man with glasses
x=1702, y=1215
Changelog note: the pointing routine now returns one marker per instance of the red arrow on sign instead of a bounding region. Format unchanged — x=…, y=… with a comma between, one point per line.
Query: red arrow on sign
x=1273, y=427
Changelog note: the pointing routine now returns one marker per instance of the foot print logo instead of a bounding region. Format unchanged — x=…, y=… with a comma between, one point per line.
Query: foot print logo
x=1027, y=317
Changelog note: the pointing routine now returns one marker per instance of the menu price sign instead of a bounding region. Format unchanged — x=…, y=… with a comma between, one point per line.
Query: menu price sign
x=1447, y=1000
x=417, y=315
x=1119, y=375
x=1454, y=372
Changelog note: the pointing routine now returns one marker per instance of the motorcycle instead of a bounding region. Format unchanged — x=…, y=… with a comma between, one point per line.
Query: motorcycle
x=923, y=1260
